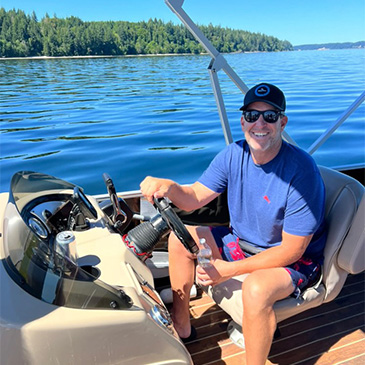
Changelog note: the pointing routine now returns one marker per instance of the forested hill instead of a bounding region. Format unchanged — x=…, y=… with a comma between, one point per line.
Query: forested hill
x=346, y=45
x=23, y=35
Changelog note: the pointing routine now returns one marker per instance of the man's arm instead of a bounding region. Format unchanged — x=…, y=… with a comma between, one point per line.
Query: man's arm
x=184, y=197
x=291, y=250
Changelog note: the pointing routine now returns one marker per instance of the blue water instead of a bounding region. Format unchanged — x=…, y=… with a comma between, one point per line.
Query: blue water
x=138, y=116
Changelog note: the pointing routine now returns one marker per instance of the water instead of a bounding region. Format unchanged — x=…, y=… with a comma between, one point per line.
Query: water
x=132, y=117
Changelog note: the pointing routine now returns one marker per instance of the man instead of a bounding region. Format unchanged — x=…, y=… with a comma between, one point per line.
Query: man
x=276, y=204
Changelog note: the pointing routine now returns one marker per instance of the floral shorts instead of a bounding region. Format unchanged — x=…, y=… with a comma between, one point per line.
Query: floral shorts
x=304, y=273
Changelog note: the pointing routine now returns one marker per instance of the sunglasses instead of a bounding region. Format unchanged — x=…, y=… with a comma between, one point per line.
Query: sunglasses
x=270, y=116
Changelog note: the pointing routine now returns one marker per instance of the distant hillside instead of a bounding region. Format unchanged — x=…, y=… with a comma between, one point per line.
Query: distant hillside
x=346, y=45
x=23, y=35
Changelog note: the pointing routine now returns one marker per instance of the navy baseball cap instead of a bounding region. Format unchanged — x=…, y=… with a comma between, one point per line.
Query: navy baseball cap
x=267, y=93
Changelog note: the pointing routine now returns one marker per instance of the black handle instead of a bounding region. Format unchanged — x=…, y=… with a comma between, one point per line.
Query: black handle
x=175, y=223
x=119, y=215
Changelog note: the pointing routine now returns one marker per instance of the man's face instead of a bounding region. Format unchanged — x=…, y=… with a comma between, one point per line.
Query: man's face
x=263, y=138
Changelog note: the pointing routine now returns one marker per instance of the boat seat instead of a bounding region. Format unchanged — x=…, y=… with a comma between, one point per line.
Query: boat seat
x=344, y=252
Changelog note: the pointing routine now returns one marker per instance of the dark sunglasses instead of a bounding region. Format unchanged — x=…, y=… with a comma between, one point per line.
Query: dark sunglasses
x=270, y=116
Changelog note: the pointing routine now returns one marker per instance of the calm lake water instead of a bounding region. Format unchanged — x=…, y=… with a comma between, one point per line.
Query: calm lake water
x=138, y=116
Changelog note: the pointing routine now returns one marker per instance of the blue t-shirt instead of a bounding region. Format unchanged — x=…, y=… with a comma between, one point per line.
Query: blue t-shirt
x=286, y=193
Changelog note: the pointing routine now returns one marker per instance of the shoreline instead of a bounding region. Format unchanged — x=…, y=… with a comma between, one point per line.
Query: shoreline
x=160, y=54
x=102, y=56
x=130, y=55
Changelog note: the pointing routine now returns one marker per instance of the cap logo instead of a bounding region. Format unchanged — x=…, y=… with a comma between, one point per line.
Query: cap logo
x=262, y=90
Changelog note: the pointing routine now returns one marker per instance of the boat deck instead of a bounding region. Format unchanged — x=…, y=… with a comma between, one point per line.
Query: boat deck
x=327, y=335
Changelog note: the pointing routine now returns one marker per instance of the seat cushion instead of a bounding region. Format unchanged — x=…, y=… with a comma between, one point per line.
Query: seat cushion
x=352, y=254
x=343, y=196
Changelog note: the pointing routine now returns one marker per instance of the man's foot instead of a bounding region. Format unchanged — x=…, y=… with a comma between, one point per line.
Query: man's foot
x=192, y=336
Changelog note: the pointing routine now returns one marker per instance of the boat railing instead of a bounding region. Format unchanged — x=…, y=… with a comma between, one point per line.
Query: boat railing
x=218, y=63
x=328, y=133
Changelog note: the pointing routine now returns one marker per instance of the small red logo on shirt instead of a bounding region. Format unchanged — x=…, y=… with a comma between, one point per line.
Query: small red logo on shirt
x=267, y=199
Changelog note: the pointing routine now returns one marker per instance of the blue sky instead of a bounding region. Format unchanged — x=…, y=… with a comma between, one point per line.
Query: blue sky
x=298, y=21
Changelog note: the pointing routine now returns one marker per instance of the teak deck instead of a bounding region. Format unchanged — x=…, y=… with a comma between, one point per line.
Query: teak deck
x=330, y=334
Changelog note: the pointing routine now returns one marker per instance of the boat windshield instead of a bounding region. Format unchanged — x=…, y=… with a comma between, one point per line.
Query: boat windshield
x=37, y=208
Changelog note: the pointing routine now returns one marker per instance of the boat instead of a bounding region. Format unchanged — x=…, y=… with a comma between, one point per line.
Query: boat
x=84, y=279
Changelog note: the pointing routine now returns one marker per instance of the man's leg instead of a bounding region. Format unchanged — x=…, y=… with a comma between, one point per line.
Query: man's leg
x=260, y=291
x=182, y=272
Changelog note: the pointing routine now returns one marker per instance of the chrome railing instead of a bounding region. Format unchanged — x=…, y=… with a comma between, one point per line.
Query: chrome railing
x=218, y=63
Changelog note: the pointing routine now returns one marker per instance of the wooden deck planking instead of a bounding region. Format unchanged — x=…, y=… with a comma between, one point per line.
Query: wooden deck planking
x=332, y=333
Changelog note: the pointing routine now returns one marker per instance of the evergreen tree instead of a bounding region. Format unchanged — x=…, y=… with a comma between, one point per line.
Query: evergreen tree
x=23, y=35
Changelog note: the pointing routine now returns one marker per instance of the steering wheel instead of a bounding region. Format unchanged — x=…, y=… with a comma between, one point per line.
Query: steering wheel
x=84, y=204
x=176, y=225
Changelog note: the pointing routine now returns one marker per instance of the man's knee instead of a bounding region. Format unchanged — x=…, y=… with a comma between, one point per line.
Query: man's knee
x=255, y=293
x=263, y=288
x=175, y=245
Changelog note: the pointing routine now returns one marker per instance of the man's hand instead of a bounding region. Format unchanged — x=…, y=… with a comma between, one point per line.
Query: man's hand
x=152, y=187
x=290, y=250
x=183, y=196
x=218, y=272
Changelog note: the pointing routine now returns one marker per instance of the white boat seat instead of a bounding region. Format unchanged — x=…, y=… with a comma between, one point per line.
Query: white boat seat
x=344, y=252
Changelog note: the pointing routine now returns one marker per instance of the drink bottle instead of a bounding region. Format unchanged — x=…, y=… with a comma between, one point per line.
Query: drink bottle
x=204, y=256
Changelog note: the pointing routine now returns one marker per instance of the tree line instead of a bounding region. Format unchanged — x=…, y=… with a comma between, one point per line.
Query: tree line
x=344, y=45
x=23, y=35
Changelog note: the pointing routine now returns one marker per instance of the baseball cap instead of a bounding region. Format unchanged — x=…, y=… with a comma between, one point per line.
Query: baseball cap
x=267, y=93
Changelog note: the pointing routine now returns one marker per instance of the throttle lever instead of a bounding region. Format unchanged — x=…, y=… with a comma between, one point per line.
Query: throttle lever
x=119, y=217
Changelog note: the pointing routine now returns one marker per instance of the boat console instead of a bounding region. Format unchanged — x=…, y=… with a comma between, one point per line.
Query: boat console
x=101, y=299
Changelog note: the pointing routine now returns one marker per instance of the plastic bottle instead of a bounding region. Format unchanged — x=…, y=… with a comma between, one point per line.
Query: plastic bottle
x=204, y=256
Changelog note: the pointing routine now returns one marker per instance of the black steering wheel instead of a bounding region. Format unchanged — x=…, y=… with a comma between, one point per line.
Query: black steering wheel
x=84, y=204
x=176, y=225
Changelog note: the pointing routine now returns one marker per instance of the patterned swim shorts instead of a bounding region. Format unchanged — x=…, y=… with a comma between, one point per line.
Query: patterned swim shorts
x=304, y=273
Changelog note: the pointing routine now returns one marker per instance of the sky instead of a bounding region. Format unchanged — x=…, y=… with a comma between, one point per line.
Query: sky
x=298, y=21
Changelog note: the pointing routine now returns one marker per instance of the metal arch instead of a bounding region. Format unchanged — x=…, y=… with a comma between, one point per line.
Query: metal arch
x=217, y=63
x=328, y=133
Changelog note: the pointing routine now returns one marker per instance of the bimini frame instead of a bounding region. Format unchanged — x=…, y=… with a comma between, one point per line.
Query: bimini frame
x=218, y=63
